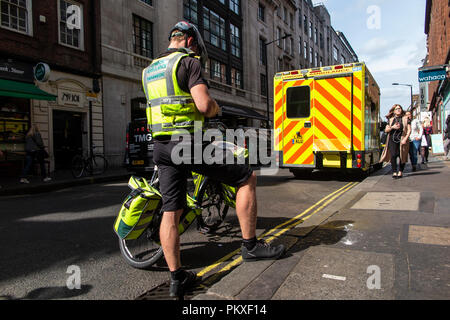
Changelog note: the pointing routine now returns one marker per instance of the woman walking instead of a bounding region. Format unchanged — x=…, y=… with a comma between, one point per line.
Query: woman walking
x=35, y=149
x=415, y=138
x=397, y=146
x=426, y=140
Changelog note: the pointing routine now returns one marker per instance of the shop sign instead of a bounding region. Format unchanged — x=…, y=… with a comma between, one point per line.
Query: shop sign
x=424, y=97
x=42, y=72
x=16, y=71
x=432, y=75
x=70, y=98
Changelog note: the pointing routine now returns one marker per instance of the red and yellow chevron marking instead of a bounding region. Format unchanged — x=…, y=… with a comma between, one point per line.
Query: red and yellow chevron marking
x=330, y=118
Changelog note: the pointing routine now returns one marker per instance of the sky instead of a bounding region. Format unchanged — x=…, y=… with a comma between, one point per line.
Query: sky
x=389, y=36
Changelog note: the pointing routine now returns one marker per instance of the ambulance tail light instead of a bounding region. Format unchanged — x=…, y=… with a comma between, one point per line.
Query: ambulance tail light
x=338, y=67
x=294, y=72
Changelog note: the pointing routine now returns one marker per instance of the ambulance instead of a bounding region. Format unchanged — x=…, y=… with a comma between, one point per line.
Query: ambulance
x=327, y=118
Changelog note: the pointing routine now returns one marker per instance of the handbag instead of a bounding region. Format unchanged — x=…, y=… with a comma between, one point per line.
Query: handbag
x=424, y=142
x=44, y=154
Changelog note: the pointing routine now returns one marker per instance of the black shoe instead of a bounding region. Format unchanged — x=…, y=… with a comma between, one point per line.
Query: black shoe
x=414, y=168
x=178, y=287
x=262, y=251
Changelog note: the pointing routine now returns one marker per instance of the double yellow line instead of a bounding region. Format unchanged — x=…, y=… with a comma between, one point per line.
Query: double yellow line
x=287, y=226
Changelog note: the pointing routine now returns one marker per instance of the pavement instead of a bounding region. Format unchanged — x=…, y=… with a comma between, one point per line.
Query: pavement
x=382, y=239
x=61, y=179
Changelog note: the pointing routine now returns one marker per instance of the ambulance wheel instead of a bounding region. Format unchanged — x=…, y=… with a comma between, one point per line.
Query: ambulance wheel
x=302, y=173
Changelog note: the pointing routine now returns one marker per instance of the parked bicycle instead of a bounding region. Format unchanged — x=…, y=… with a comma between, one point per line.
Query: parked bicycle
x=92, y=164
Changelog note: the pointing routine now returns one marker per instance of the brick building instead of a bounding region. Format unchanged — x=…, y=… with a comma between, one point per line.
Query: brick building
x=41, y=31
x=437, y=29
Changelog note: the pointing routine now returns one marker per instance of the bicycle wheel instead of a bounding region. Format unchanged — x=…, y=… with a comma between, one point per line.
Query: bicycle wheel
x=141, y=253
x=214, y=208
x=99, y=164
x=77, y=166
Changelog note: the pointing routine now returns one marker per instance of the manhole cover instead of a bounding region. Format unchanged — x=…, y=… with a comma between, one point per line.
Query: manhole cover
x=392, y=201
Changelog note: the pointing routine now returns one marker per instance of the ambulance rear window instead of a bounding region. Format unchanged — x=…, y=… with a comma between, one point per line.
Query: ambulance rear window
x=298, y=103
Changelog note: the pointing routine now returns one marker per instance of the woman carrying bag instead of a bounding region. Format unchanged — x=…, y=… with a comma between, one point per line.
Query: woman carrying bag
x=397, y=145
x=35, y=149
x=426, y=140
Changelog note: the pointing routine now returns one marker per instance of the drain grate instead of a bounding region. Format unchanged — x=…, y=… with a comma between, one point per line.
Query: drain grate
x=161, y=292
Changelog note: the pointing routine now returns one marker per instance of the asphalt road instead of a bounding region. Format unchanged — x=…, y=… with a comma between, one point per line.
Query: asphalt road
x=45, y=237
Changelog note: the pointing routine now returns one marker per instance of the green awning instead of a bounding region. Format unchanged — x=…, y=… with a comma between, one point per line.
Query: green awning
x=17, y=89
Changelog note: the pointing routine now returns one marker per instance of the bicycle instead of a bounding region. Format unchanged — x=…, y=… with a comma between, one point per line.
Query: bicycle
x=208, y=205
x=93, y=164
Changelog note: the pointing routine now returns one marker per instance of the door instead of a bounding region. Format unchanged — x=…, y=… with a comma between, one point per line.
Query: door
x=67, y=137
x=297, y=124
x=332, y=114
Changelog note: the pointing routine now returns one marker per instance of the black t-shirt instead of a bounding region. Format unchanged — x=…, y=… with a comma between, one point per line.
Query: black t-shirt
x=189, y=73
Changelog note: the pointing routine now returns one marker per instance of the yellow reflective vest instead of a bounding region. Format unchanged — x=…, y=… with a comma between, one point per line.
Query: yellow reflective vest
x=170, y=110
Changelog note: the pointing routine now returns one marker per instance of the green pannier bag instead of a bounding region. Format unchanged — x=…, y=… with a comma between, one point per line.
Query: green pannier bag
x=137, y=210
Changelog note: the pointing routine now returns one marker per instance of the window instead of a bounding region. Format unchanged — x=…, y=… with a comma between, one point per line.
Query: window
x=300, y=18
x=321, y=41
x=300, y=43
x=335, y=53
x=321, y=61
x=235, y=34
x=298, y=103
x=305, y=55
x=291, y=20
x=214, y=29
x=261, y=12
x=263, y=85
x=280, y=65
x=311, y=55
x=16, y=15
x=316, y=59
x=310, y=30
x=142, y=37
x=342, y=59
x=190, y=11
x=218, y=71
x=149, y=2
x=305, y=24
x=279, y=37
x=285, y=15
x=222, y=1
x=262, y=51
x=236, y=78
x=291, y=48
x=316, y=36
x=70, y=35
x=234, y=6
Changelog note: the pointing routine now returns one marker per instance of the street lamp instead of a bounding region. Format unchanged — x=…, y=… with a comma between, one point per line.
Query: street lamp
x=407, y=85
x=287, y=35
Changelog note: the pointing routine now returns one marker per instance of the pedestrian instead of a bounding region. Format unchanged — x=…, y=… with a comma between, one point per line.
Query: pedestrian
x=179, y=97
x=415, y=140
x=397, y=146
x=447, y=138
x=35, y=150
x=426, y=140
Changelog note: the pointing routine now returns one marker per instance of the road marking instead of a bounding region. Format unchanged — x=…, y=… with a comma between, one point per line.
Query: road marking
x=296, y=220
x=330, y=276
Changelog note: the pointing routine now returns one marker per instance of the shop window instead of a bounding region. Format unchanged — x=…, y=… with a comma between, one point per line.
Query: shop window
x=16, y=15
x=298, y=103
x=71, y=35
x=14, y=125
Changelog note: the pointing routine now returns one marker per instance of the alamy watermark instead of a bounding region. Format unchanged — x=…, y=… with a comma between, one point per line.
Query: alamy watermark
x=374, y=20
x=73, y=14
x=74, y=280
x=374, y=281
x=232, y=146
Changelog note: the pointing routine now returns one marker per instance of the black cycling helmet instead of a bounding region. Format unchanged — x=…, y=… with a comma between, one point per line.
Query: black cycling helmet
x=191, y=30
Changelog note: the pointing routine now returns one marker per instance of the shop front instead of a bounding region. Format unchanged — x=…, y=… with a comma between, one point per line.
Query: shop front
x=17, y=91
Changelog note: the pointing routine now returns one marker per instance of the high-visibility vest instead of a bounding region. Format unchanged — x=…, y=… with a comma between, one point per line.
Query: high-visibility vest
x=170, y=110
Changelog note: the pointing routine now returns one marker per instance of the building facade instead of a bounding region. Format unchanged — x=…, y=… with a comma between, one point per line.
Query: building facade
x=64, y=35
x=243, y=56
x=437, y=29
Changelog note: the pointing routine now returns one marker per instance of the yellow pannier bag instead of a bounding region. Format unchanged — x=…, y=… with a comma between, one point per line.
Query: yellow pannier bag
x=137, y=210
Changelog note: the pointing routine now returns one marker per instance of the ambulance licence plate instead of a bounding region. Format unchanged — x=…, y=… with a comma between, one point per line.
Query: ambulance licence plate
x=138, y=162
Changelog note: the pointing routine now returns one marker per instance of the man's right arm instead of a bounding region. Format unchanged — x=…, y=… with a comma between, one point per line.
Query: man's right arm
x=204, y=102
